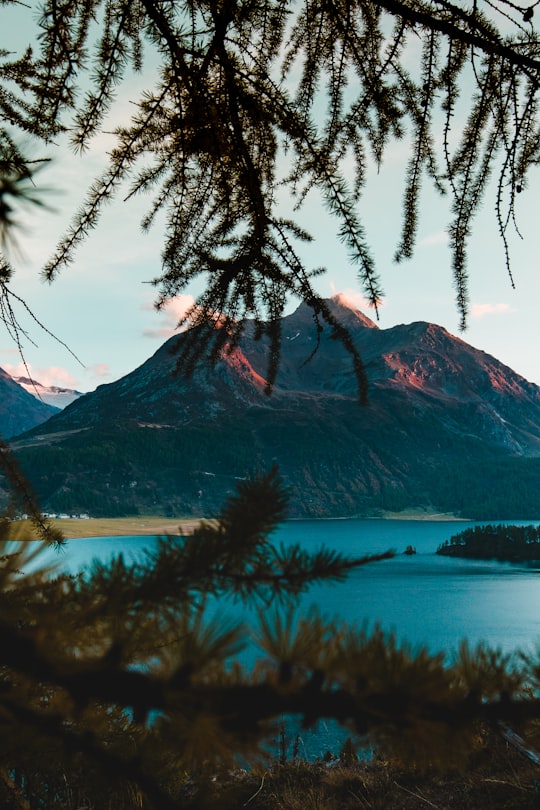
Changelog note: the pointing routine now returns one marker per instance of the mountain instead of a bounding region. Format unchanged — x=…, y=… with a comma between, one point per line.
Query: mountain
x=19, y=411
x=446, y=428
x=50, y=394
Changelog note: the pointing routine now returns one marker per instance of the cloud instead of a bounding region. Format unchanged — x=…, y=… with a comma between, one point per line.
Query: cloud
x=480, y=310
x=99, y=371
x=11, y=350
x=58, y=376
x=53, y=375
x=351, y=298
x=172, y=312
x=438, y=238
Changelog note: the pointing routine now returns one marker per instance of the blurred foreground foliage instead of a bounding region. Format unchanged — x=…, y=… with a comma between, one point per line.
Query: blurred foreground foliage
x=126, y=683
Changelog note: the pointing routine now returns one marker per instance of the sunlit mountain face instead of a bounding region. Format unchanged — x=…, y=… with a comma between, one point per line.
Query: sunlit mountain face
x=446, y=428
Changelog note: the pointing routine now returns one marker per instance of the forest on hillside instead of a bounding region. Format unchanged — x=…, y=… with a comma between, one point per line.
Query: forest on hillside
x=126, y=471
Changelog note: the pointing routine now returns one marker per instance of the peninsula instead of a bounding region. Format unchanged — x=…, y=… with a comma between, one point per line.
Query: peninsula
x=506, y=543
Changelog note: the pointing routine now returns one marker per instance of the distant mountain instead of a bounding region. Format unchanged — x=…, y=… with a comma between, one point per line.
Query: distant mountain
x=51, y=394
x=447, y=427
x=19, y=411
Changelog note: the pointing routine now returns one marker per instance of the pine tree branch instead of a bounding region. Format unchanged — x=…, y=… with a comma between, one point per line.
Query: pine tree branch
x=417, y=13
x=22, y=491
x=244, y=708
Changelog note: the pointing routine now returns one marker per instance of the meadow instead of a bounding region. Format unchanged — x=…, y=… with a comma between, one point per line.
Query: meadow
x=73, y=528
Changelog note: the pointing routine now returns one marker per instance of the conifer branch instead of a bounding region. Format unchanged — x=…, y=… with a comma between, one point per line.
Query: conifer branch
x=21, y=492
x=471, y=32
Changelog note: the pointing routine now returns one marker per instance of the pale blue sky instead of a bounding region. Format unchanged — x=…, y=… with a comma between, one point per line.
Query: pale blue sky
x=102, y=305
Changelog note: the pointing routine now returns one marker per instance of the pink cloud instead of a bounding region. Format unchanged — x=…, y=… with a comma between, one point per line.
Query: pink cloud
x=53, y=375
x=99, y=371
x=350, y=298
x=170, y=315
x=480, y=310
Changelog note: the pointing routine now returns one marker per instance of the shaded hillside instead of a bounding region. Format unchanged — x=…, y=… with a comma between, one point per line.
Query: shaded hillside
x=19, y=410
x=446, y=427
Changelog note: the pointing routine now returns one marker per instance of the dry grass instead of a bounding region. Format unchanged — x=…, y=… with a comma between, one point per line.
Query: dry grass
x=116, y=527
x=498, y=779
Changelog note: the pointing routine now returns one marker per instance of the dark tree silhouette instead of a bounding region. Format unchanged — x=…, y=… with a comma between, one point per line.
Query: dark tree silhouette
x=258, y=97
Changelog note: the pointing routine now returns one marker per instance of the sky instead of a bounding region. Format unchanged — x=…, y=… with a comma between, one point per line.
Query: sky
x=101, y=307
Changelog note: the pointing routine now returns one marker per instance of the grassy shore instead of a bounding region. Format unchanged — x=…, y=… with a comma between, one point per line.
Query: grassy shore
x=129, y=526
x=420, y=514
x=155, y=525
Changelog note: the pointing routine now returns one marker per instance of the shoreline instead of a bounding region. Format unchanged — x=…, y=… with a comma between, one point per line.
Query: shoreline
x=75, y=528
x=421, y=515
x=79, y=528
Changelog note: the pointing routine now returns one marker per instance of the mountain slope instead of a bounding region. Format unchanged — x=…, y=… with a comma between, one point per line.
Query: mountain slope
x=446, y=427
x=19, y=411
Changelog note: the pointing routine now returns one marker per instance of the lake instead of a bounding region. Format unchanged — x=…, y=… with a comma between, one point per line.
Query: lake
x=425, y=599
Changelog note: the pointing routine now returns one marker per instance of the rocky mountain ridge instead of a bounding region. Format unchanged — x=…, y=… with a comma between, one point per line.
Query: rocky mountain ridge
x=446, y=427
x=55, y=395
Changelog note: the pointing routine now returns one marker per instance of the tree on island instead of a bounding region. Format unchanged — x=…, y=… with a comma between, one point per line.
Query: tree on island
x=503, y=542
x=119, y=680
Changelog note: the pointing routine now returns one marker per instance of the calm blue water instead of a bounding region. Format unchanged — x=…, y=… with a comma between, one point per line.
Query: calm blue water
x=425, y=599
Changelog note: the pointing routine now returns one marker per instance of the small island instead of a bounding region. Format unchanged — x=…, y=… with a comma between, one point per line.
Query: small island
x=505, y=543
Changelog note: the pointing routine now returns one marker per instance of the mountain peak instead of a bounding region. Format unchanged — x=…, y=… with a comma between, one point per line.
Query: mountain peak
x=54, y=395
x=343, y=301
x=442, y=419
